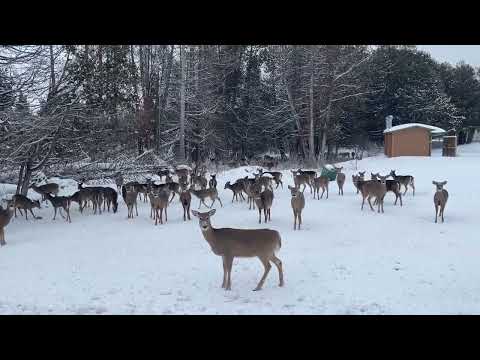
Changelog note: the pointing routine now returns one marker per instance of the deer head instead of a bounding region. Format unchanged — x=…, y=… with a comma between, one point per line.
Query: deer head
x=361, y=174
x=227, y=185
x=374, y=176
x=439, y=185
x=383, y=179
x=294, y=191
x=392, y=173
x=204, y=219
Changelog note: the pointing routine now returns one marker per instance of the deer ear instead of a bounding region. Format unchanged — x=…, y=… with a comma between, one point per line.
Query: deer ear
x=434, y=182
x=212, y=212
x=195, y=213
x=444, y=183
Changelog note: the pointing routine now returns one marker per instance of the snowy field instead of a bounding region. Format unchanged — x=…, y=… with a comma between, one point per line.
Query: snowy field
x=343, y=261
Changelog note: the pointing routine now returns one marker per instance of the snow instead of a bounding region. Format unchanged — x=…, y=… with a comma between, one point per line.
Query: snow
x=343, y=261
x=434, y=129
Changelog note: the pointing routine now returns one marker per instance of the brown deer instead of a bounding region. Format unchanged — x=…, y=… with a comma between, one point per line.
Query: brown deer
x=130, y=197
x=264, y=200
x=340, y=179
x=21, y=202
x=43, y=190
x=237, y=189
x=159, y=203
x=119, y=181
x=298, y=203
x=185, y=199
x=199, y=180
x=310, y=173
x=182, y=173
x=301, y=179
x=60, y=202
x=206, y=193
x=404, y=180
x=212, y=183
x=163, y=172
x=5, y=217
x=320, y=182
x=230, y=243
x=392, y=185
x=440, y=198
x=374, y=188
x=277, y=176
x=360, y=176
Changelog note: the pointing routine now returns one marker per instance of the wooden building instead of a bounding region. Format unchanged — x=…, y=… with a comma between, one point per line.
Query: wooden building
x=412, y=139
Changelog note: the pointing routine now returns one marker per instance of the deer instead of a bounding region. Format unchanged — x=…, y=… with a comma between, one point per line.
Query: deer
x=163, y=172
x=199, y=180
x=310, y=173
x=392, y=185
x=264, y=181
x=264, y=200
x=212, y=183
x=404, y=180
x=60, y=202
x=94, y=194
x=237, y=189
x=182, y=173
x=298, y=203
x=320, y=182
x=361, y=176
x=5, y=217
x=159, y=202
x=340, y=179
x=358, y=179
x=440, y=198
x=374, y=188
x=130, y=197
x=21, y=202
x=244, y=243
x=119, y=181
x=301, y=179
x=206, y=193
x=277, y=177
x=185, y=199
x=51, y=188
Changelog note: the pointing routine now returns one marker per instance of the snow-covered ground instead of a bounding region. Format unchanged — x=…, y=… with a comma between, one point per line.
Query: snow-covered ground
x=343, y=261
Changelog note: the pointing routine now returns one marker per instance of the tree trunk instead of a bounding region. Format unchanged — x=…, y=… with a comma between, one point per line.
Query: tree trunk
x=26, y=179
x=20, y=179
x=182, y=103
x=163, y=102
x=311, y=138
x=52, y=72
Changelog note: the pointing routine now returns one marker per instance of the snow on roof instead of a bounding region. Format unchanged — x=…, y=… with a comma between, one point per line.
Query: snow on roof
x=433, y=129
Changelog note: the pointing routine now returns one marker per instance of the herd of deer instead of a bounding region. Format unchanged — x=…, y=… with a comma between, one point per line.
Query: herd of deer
x=225, y=242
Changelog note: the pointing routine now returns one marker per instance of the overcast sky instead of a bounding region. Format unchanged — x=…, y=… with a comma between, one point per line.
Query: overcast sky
x=454, y=53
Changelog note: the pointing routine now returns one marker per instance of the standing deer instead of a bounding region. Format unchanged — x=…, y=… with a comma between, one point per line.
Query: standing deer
x=212, y=183
x=440, y=198
x=404, y=180
x=340, y=179
x=298, y=203
x=237, y=189
x=264, y=200
x=43, y=190
x=60, y=202
x=311, y=175
x=230, y=243
x=392, y=185
x=374, y=188
x=5, y=217
x=360, y=176
x=130, y=197
x=277, y=177
x=22, y=202
x=320, y=182
x=119, y=181
x=301, y=179
x=159, y=203
x=185, y=199
x=206, y=193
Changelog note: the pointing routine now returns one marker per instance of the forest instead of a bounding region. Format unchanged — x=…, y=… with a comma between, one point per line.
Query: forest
x=91, y=110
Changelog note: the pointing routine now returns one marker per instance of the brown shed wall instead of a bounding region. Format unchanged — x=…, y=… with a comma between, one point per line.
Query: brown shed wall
x=408, y=142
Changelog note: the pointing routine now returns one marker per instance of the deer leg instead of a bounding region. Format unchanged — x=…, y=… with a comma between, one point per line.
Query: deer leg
x=188, y=211
x=299, y=219
x=229, y=260
x=61, y=213
x=267, y=266
x=294, y=220
x=2, y=237
x=32, y=214
x=225, y=271
x=406, y=188
x=323, y=190
x=413, y=187
x=260, y=216
x=166, y=218
x=136, y=209
x=442, y=208
x=220, y=201
x=278, y=264
x=436, y=212
x=68, y=215
x=370, y=203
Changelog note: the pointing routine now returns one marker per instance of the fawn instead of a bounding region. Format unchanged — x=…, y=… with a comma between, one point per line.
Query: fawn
x=374, y=188
x=159, y=202
x=212, y=183
x=230, y=243
x=206, y=193
x=300, y=179
x=440, y=198
x=392, y=185
x=404, y=180
x=185, y=199
x=130, y=197
x=236, y=188
x=298, y=203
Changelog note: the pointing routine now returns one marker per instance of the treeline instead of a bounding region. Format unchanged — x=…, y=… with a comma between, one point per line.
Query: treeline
x=188, y=103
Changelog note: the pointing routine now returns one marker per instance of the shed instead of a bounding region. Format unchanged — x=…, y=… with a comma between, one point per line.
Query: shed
x=413, y=139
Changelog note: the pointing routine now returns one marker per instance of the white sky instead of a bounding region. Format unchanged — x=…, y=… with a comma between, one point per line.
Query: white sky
x=454, y=53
